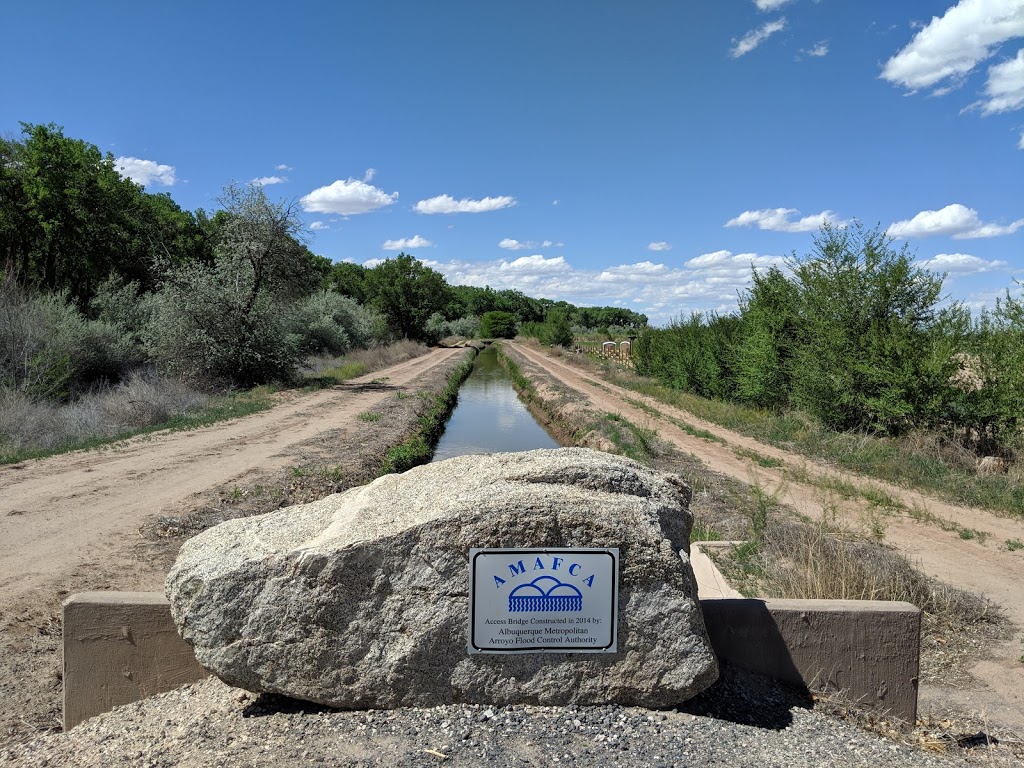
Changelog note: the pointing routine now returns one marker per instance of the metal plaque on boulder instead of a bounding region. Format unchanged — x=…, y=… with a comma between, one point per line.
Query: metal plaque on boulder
x=543, y=600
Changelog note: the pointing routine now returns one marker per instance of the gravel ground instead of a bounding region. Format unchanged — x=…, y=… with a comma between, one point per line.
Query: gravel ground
x=741, y=721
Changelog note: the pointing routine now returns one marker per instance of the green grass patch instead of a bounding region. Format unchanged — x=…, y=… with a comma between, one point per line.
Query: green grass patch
x=640, y=405
x=369, y=416
x=703, y=434
x=767, y=462
x=1012, y=545
x=329, y=377
x=705, y=532
x=632, y=441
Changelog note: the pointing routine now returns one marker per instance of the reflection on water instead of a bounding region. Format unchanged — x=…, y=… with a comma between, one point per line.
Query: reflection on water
x=489, y=416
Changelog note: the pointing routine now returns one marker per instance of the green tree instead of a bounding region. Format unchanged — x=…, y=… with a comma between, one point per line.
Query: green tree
x=769, y=314
x=68, y=220
x=865, y=347
x=557, y=330
x=993, y=376
x=407, y=293
x=498, y=325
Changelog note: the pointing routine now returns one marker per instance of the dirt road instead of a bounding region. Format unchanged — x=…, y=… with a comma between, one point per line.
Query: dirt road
x=72, y=522
x=980, y=567
x=59, y=514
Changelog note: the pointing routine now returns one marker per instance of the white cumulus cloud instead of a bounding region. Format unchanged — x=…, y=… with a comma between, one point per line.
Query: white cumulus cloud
x=347, y=198
x=659, y=245
x=960, y=262
x=265, y=180
x=316, y=226
x=956, y=221
x=778, y=220
x=406, y=242
x=950, y=46
x=145, y=172
x=770, y=5
x=448, y=204
x=523, y=245
x=1004, y=90
x=755, y=37
x=535, y=264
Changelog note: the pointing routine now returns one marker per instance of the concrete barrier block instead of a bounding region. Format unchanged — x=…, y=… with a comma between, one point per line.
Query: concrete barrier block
x=867, y=650
x=120, y=647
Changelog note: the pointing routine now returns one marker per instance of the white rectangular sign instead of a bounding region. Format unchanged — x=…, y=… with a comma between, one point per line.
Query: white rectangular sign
x=543, y=600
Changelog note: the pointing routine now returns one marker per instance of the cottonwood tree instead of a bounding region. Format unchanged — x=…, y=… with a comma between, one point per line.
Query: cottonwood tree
x=407, y=292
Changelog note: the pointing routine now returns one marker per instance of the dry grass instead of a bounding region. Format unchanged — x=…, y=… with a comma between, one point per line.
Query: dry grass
x=144, y=399
x=328, y=370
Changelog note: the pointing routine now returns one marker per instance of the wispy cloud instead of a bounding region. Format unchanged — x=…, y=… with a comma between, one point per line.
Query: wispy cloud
x=950, y=46
x=523, y=245
x=146, y=172
x=406, y=243
x=778, y=220
x=770, y=5
x=956, y=221
x=660, y=245
x=755, y=37
x=317, y=226
x=282, y=167
x=265, y=180
x=448, y=204
x=370, y=173
x=817, y=51
x=347, y=198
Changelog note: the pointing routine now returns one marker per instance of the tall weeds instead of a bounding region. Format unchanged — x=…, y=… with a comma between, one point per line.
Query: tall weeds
x=29, y=425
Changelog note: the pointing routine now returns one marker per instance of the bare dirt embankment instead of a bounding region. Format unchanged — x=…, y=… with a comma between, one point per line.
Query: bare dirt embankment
x=996, y=689
x=113, y=518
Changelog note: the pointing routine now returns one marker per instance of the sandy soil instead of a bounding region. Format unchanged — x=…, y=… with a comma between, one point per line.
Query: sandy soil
x=980, y=567
x=75, y=522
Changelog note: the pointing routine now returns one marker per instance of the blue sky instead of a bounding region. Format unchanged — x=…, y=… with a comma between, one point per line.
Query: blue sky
x=641, y=154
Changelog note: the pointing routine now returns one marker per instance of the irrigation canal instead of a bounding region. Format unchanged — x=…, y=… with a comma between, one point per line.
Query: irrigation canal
x=489, y=416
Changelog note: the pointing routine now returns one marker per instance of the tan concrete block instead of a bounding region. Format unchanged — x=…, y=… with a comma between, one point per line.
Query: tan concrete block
x=710, y=581
x=868, y=650
x=120, y=647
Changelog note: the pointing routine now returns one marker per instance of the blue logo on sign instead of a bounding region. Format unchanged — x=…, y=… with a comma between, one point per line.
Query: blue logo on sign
x=545, y=593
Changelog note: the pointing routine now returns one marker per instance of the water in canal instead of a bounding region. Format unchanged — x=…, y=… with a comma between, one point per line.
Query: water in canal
x=489, y=416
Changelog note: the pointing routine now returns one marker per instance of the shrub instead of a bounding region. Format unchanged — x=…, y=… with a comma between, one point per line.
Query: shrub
x=210, y=328
x=49, y=350
x=331, y=324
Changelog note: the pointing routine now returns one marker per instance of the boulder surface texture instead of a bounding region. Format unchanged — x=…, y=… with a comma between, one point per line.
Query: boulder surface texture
x=360, y=600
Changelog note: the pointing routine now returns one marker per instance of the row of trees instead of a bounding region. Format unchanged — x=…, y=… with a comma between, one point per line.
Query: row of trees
x=859, y=337
x=97, y=277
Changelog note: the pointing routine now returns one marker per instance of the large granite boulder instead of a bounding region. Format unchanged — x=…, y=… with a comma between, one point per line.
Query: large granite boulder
x=361, y=599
